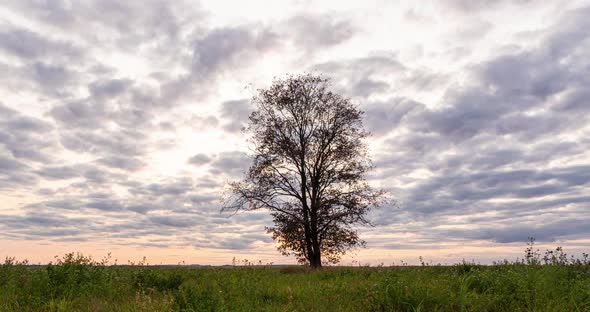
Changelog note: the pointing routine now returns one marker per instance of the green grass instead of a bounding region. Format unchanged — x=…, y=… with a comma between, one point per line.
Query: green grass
x=77, y=283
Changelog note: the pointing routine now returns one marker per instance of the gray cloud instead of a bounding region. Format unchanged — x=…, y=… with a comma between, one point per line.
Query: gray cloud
x=124, y=25
x=549, y=231
x=109, y=88
x=315, y=32
x=104, y=204
x=501, y=156
x=242, y=242
x=177, y=221
x=51, y=76
x=466, y=6
x=382, y=117
x=25, y=137
x=233, y=164
x=10, y=164
x=61, y=172
x=29, y=45
x=124, y=142
x=361, y=67
x=96, y=112
x=380, y=74
x=199, y=159
x=368, y=86
x=237, y=113
x=24, y=141
x=125, y=163
x=175, y=188
x=224, y=47
x=523, y=81
x=494, y=146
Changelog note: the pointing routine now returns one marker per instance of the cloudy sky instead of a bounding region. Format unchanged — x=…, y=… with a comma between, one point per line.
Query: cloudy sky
x=120, y=123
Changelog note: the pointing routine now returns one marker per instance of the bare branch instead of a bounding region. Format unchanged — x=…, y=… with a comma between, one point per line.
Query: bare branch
x=309, y=169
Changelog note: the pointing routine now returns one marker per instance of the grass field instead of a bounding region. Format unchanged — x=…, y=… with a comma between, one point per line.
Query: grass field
x=77, y=283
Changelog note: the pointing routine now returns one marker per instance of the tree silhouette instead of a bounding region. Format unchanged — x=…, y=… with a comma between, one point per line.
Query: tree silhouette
x=308, y=170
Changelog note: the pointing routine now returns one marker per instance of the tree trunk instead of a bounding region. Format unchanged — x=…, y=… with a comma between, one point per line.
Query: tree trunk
x=307, y=233
x=317, y=256
x=316, y=261
x=307, y=227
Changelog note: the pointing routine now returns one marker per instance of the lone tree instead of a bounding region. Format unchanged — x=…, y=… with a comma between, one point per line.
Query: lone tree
x=308, y=169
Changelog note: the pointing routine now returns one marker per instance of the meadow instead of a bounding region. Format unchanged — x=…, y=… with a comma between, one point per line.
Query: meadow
x=74, y=282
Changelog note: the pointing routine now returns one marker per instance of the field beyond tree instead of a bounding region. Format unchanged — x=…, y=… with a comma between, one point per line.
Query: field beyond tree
x=77, y=283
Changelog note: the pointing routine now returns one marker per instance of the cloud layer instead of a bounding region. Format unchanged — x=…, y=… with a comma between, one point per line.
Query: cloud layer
x=120, y=122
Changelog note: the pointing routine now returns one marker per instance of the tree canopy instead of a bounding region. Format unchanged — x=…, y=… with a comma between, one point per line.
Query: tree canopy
x=309, y=166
